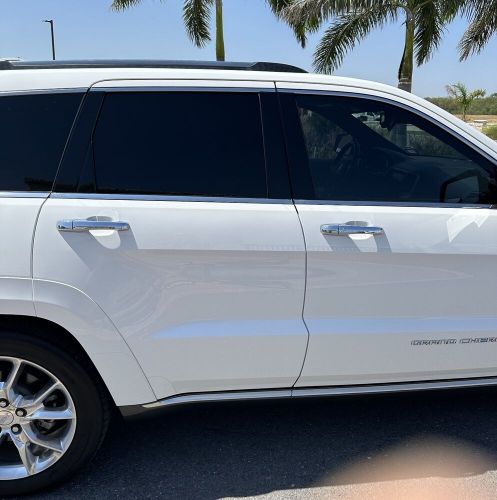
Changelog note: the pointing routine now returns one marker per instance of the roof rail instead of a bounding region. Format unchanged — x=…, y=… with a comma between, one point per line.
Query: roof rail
x=120, y=63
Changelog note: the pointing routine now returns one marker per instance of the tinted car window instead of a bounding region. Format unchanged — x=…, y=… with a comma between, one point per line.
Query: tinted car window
x=33, y=132
x=365, y=150
x=180, y=143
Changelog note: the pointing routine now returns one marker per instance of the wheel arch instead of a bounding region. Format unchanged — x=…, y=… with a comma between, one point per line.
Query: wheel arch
x=47, y=331
x=89, y=329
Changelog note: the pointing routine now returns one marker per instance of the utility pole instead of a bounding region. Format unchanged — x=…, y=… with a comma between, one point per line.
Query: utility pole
x=50, y=21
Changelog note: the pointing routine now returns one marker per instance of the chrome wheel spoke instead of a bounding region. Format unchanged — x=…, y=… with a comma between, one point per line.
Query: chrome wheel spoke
x=36, y=402
x=38, y=415
x=8, y=384
x=3, y=436
x=44, y=393
x=33, y=437
x=51, y=414
x=27, y=458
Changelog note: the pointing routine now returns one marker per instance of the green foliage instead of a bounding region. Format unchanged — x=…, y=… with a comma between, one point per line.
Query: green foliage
x=491, y=131
x=464, y=97
x=346, y=32
x=350, y=21
x=485, y=106
x=482, y=15
x=123, y=4
x=197, y=17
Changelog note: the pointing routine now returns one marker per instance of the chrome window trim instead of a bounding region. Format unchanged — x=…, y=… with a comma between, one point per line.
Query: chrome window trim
x=220, y=199
x=75, y=90
x=152, y=197
x=186, y=88
x=24, y=194
x=393, y=204
x=393, y=102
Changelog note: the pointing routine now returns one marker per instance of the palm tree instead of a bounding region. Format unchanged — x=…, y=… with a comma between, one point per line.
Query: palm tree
x=483, y=25
x=196, y=16
x=353, y=20
x=464, y=97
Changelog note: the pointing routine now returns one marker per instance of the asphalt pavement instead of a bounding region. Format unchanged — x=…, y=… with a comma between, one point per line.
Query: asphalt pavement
x=392, y=446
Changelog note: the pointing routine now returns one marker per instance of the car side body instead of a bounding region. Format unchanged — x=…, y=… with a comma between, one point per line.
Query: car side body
x=145, y=350
x=218, y=234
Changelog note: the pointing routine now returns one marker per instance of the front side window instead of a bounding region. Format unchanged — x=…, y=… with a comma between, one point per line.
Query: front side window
x=365, y=150
x=33, y=132
x=180, y=144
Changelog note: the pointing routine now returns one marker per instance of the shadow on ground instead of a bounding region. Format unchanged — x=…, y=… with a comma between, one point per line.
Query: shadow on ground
x=239, y=450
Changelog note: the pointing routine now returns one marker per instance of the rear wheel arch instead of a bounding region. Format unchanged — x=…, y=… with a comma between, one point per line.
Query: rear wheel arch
x=77, y=313
x=48, y=331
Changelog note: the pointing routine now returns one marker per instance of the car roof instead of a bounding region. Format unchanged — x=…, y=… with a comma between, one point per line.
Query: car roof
x=47, y=75
x=16, y=64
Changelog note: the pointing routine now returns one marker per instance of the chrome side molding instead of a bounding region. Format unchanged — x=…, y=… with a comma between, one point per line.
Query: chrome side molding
x=305, y=392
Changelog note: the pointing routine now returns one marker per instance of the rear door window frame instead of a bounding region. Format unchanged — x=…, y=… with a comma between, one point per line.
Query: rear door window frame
x=78, y=159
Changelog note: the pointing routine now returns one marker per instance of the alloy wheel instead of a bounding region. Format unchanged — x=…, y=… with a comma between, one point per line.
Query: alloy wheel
x=37, y=418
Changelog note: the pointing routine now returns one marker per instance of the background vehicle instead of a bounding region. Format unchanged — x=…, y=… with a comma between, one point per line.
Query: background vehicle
x=184, y=232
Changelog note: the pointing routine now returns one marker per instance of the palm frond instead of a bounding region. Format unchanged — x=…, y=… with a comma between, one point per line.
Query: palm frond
x=196, y=16
x=277, y=6
x=347, y=31
x=472, y=8
x=457, y=91
x=123, y=4
x=317, y=11
x=299, y=28
x=483, y=25
x=430, y=21
x=478, y=94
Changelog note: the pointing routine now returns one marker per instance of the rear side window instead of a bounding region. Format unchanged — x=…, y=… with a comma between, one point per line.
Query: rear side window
x=180, y=143
x=33, y=132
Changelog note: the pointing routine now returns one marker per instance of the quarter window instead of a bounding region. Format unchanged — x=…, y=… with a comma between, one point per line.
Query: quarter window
x=33, y=132
x=357, y=149
x=180, y=143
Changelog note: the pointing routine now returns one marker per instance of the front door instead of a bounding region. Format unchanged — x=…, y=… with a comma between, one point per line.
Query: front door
x=182, y=230
x=401, y=239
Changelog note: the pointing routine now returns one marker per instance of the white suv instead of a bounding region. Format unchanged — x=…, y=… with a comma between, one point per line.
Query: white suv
x=188, y=232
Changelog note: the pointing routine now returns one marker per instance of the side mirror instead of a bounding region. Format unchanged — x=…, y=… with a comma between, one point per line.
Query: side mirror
x=464, y=187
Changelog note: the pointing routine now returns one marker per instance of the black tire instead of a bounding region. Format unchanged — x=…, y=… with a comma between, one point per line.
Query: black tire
x=92, y=404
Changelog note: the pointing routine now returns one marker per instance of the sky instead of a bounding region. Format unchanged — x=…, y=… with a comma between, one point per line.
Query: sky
x=88, y=29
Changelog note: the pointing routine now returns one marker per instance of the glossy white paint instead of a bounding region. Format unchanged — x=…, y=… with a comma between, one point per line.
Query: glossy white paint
x=207, y=295
x=62, y=305
x=16, y=296
x=369, y=297
x=77, y=313
x=17, y=221
x=431, y=276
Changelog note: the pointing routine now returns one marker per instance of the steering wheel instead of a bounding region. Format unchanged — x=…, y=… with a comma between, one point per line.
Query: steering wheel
x=346, y=156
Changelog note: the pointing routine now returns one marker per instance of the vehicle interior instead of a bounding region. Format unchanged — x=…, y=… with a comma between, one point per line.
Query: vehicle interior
x=361, y=150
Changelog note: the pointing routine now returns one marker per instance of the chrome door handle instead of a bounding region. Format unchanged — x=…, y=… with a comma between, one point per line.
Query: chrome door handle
x=346, y=230
x=89, y=225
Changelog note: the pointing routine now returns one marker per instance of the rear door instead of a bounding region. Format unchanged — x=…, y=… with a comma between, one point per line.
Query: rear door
x=172, y=212
x=401, y=233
